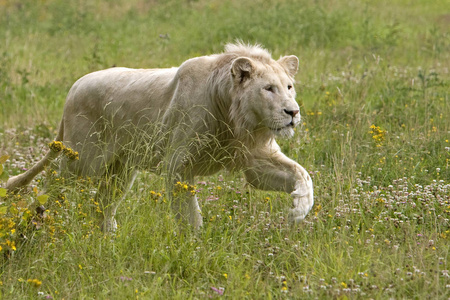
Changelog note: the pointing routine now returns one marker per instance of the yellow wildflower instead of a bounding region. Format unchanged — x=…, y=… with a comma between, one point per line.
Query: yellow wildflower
x=184, y=187
x=35, y=282
x=56, y=146
x=378, y=135
x=69, y=153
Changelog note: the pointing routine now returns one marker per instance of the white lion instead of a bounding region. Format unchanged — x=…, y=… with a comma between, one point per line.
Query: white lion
x=212, y=112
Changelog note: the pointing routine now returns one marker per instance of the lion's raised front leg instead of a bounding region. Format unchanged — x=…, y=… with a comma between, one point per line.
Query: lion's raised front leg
x=274, y=171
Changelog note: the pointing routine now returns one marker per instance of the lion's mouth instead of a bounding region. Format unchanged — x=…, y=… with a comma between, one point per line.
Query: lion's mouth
x=286, y=131
x=278, y=129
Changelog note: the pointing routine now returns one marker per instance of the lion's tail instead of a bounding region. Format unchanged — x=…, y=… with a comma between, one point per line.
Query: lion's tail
x=23, y=179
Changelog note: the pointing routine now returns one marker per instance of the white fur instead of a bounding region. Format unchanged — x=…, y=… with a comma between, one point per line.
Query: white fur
x=212, y=112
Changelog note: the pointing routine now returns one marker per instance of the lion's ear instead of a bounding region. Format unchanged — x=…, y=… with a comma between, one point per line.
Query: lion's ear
x=242, y=68
x=290, y=63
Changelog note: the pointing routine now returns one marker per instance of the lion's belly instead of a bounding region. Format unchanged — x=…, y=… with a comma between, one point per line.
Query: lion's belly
x=207, y=168
x=210, y=161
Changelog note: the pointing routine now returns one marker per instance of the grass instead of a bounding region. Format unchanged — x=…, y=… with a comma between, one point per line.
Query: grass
x=373, y=88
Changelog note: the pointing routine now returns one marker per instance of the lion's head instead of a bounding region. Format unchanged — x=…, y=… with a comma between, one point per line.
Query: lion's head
x=263, y=91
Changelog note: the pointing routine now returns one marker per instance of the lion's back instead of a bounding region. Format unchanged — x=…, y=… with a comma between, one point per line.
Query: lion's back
x=121, y=93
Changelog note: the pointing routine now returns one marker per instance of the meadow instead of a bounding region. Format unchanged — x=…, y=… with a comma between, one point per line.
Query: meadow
x=373, y=87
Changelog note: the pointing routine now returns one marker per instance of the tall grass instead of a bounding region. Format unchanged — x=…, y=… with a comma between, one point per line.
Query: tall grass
x=373, y=88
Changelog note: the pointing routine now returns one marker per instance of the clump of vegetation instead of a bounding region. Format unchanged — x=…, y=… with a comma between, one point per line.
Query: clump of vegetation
x=378, y=135
x=58, y=146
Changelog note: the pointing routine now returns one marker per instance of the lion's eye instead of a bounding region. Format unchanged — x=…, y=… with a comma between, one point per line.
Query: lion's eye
x=289, y=87
x=269, y=88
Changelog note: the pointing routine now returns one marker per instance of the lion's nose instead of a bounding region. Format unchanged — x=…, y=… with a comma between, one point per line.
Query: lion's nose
x=292, y=113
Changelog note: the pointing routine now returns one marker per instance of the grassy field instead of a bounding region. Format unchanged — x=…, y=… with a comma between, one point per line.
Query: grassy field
x=373, y=87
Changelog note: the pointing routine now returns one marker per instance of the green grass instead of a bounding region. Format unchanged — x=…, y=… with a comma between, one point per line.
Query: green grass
x=380, y=226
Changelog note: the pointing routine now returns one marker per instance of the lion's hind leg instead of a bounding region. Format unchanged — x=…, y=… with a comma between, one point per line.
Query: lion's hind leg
x=108, y=221
x=112, y=190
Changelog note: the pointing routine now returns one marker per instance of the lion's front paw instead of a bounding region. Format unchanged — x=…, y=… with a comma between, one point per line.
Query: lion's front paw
x=303, y=201
x=297, y=214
